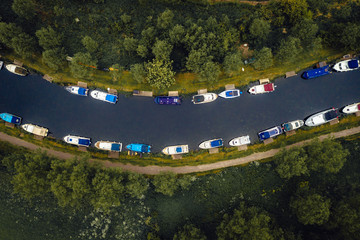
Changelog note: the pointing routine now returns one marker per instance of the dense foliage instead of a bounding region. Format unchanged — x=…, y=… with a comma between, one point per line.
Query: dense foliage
x=167, y=36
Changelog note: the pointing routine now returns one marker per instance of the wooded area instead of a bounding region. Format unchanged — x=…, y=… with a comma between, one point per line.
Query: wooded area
x=170, y=36
x=305, y=193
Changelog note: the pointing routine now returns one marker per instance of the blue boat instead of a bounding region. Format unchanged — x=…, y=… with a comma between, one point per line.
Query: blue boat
x=77, y=90
x=139, y=147
x=232, y=93
x=214, y=143
x=103, y=96
x=317, y=72
x=7, y=117
x=79, y=141
x=269, y=133
x=165, y=100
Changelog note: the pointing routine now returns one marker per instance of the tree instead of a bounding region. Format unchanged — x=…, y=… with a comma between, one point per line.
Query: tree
x=352, y=37
x=189, y=232
x=294, y=10
x=162, y=50
x=306, y=31
x=130, y=44
x=248, y=223
x=232, y=63
x=164, y=20
x=7, y=32
x=184, y=182
x=311, y=209
x=117, y=72
x=165, y=183
x=82, y=65
x=209, y=72
x=289, y=49
x=142, y=50
x=291, y=162
x=23, y=44
x=263, y=59
x=138, y=72
x=159, y=73
x=30, y=179
x=196, y=59
x=259, y=31
x=90, y=44
x=24, y=8
x=108, y=189
x=49, y=38
x=54, y=58
x=328, y=156
x=176, y=34
x=136, y=185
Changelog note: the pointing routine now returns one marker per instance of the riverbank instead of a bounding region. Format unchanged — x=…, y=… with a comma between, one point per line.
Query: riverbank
x=186, y=83
x=195, y=159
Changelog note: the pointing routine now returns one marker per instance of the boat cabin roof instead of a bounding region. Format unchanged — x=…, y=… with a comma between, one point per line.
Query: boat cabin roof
x=84, y=141
x=115, y=147
x=330, y=115
x=111, y=98
x=231, y=93
x=353, y=64
x=198, y=98
x=178, y=149
x=216, y=143
x=269, y=87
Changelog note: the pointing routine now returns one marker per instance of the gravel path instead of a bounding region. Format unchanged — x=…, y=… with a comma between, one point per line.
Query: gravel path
x=152, y=170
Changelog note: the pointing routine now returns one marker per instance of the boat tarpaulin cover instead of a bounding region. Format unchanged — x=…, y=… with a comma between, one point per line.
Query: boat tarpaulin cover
x=145, y=148
x=83, y=141
x=269, y=87
x=81, y=91
x=353, y=64
x=178, y=149
x=358, y=106
x=331, y=115
x=115, y=147
x=111, y=98
x=216, y=143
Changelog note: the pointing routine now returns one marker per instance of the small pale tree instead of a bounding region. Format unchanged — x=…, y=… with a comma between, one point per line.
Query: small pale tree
x=159, y=73
x=82, y=65
x=162, y=50
x=210, y=72
x=291, y=162
x=138, y=72
x=232, y=63
x=117, y=72
x=54, y=58
x=263, y=59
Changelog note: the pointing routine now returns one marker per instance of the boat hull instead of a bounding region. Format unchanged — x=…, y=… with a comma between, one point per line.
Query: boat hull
x=204, y=98
x=343, y=66
x=173, y=150
x=10, y=118
x=77, y=90
x=233, y=93
x=109, y=146
x=262, y=88
x=214, y=143
x=36, y=130
x=16, y=69
x=139, y=147
x=78, y=141
x=319, y=118
x=103, y=96
x=239, y=141
x=353, y=108
x=293, y=125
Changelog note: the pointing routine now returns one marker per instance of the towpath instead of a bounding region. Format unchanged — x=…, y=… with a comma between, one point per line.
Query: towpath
x=153, y=170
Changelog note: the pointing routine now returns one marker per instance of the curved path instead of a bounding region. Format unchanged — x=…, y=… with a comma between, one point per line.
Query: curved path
x=153, y=170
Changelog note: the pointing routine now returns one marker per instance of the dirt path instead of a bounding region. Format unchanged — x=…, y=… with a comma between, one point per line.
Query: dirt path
x=152, y=170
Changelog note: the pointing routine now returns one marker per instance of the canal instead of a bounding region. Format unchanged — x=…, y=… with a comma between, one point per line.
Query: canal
x=140, y=120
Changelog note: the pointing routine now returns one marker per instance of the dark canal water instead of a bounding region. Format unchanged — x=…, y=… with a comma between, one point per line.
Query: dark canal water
x=139, y=119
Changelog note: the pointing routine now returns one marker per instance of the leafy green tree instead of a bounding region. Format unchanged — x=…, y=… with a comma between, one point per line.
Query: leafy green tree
x=7, y=32
x=248, y=223
x=49, y=38
x=136, y=185
x=90, y=44
x=148, y=36
x=291, y=162
x=328, y=156
x=82, y=65
x=130, y=44
x=259, y=31
x=177, y=34
x=117, y=72
x=24, y=8
x=126, y=19
x=185, y=181
x=142, y=50
x=162, y=50
x=23, y=44
x=306, y=31
x=289, y=49
x=138, y=72
x=54, y=58
x=232, y=63
x=311, y=209
x=165, y=19
x=196, y=59
x=263, y=59
x=210, y=72
x=108, y=189
x=189, y=232
x=350, y=37
x=30, y=179
x=159, y=73
x=294, y=10
x=165, y=183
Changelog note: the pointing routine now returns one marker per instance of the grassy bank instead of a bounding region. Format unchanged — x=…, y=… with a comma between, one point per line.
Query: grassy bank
x=196, y=157
x=186, y=83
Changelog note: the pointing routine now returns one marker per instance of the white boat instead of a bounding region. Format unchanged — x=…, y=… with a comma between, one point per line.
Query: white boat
x=289, y=126
x=346, y=65
x=104, y=96
x=321, y=117
x=78, y=141
x=214, y=143
x=232, y=93
x=16, y=69
x=1, y=64
x=178, y=149
x=264, y=86
x=240, y=141
x=204, y=98
x=352, y=108
x=77, y=90
x=109, y=146
x=36, y=130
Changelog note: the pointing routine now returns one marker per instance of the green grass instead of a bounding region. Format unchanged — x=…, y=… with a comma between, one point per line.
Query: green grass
x=186, y=83
x=196, y=157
